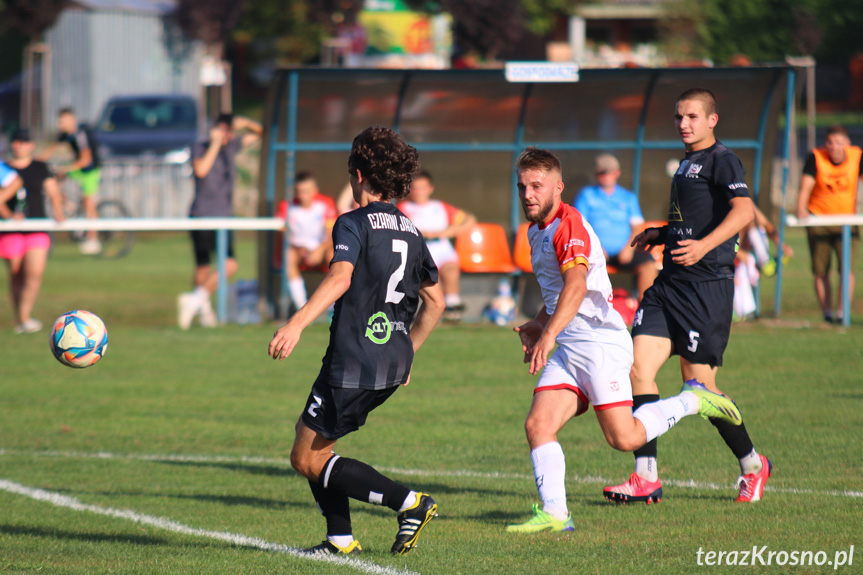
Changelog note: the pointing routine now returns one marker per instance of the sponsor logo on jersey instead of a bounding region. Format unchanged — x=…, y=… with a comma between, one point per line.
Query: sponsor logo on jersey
x=342, y=247
x=693, y=170
x=738, y=185
x=573, y=242
x=379, y=329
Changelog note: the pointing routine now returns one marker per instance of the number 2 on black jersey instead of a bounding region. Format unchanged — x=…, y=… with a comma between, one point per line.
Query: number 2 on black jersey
x=394, y=296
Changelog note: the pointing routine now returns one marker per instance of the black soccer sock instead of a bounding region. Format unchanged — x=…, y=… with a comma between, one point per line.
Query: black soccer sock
x=649, y=449
x=363, y=483
x=335, y=506
x=736, y=437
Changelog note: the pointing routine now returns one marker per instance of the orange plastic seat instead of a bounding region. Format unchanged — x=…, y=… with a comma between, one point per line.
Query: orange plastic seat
x=521, y=250
x=483, y=248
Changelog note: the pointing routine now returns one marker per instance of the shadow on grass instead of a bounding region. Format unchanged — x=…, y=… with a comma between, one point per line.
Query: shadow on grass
x=251, y=469
x=93, y=537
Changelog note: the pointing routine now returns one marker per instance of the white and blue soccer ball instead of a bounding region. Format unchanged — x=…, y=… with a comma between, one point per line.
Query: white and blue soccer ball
x=79, y=338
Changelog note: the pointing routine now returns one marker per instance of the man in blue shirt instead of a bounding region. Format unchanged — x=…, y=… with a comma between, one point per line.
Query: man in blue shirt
x=616, y=218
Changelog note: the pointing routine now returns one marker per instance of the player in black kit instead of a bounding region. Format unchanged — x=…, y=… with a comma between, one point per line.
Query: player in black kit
x=687, y=311
x=380, y=270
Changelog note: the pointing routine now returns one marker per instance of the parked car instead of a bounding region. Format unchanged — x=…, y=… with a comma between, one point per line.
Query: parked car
x=163, y=126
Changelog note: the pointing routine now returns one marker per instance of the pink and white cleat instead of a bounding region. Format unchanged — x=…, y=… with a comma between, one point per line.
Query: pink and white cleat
x=636, y=488
x=752, y=485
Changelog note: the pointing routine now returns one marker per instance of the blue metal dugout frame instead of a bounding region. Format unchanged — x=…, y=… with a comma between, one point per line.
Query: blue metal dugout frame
x=282, y=121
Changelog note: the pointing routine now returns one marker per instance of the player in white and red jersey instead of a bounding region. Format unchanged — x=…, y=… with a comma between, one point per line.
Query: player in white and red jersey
x=439, y=222
x=311, y=216
x=594, y=349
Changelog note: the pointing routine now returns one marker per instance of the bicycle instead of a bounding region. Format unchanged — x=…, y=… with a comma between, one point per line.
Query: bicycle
x=115, y=243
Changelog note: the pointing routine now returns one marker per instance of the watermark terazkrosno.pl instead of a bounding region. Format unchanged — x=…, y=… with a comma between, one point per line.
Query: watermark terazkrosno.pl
x=764, y=556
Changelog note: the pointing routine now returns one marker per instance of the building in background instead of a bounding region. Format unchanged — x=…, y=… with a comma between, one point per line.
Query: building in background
x=104, y=48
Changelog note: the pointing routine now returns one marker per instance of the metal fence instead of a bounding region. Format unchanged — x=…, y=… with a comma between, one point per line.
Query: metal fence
x=149, y=188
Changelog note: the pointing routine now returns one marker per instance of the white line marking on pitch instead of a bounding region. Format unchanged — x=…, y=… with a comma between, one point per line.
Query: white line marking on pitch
x=587, y=479
x=61, y=500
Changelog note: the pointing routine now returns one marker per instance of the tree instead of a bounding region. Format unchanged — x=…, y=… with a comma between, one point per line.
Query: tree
x=210, y=21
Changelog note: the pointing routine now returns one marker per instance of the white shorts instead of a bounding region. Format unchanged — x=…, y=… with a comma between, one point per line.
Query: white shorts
x=442, y=252
x=597, y=369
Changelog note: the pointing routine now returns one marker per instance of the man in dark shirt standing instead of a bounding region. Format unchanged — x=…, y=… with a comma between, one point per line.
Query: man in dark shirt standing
x=380, y=270
x=688, y=310
x=215, y=167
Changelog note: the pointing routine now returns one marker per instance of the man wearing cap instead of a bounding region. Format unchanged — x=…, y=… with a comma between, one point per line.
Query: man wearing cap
x=26, y=253
x=615, y=215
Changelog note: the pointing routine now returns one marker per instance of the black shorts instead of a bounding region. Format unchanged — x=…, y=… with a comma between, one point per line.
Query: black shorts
x=695, y=316
x=335, y=411
x=204, y=244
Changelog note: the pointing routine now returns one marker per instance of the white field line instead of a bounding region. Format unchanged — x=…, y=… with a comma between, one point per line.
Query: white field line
x=585, y=479
x=61, y=500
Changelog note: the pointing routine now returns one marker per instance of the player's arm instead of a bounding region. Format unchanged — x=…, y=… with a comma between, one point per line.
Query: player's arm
x=84, y=160
x=202, y=165
x=52, y=189
x=741, y=215
x=807, y=184
x=571, y=296
x=7, y=193
x=335, y=284
x=254, y=129
x=433, y=306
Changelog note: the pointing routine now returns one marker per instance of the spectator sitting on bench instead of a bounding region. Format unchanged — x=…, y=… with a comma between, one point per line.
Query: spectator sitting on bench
x=615, y=216
x=438, y=222
x=311, y=216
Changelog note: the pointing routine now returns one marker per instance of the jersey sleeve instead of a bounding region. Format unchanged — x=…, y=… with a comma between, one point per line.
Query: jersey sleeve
x=572, y=244
x=730, y=177
x=810, y=168
x=7, y=175
x=83, y=140
x=451, y=212
x=428, y=269
x=635, y=216
x=347, y=241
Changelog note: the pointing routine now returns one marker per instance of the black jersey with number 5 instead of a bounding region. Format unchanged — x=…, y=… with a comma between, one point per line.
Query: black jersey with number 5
x=701, y=192
x=370, y=345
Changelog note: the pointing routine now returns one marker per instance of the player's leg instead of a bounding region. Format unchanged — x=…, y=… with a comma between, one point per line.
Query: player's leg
x=332, y=413
x=820, y=250
x=89, y=182
x=33, y=268
x=16, y=281
x=296, y=284
x=556, y=400
x=189, y=304
x=450, y=276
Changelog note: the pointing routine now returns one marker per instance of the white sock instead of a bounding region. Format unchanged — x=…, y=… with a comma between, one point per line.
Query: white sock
x=660, y=416
x=645, y=467
x=452, y=299
x=409, y=502
x=340, y=540
x=750, y=463
x=297, y=288
x=202, y=294
x=549, y=469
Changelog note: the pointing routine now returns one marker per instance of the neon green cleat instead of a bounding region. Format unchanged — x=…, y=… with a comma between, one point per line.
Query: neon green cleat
x=712, y=404
x=542, y=521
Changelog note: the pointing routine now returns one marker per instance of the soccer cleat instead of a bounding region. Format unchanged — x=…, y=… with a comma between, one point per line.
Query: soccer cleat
x=711, y=404
x=636, y=488
x=29, y=326
x=411, y=523
x=188, y=306
x=327, y=547
x=752, y=485
x=453, y=313
x=90, y=247
x=208, y=316
x=541, y=521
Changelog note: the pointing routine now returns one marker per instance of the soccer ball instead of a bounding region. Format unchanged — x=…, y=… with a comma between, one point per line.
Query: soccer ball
x=501, y=310
x=79, y=338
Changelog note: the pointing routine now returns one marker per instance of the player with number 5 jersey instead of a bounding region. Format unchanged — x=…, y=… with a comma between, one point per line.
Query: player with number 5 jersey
x=380, y=271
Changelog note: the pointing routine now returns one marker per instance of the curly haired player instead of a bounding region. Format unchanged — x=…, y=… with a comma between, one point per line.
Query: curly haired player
x=380, y=270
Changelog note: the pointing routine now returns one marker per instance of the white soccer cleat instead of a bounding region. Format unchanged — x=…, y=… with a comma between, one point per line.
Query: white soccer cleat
x=90, y=247
x=208, y=316
x=188, y=306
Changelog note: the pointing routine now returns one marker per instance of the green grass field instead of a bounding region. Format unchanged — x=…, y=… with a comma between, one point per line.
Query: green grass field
x=170, y=455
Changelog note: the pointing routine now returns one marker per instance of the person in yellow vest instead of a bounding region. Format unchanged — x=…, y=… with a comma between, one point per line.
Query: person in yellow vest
x=829, y=186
